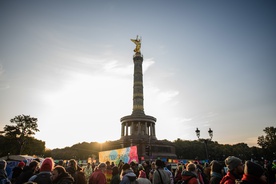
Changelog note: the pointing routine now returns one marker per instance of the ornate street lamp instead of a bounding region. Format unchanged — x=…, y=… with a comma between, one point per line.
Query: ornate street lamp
x=210, y=133
x=197, y=133
x=205, y=140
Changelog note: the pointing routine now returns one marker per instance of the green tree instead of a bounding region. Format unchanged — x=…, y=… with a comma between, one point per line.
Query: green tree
x=268, y=142
x=25, y=127
x=34, y=147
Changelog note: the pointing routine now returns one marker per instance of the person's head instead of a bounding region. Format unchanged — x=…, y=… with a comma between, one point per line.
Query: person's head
x=179, y=167
x=102, y=167
x=73, y=163
x=255, y=170
x=234, y=164
x=159, y=163
x=60, y=162
x=145, y=164
x=3, y=164
x=191, y=167
x=47, y=164
x=21, y=164
x=153, y=165
x=107, y=163
x=132, y=164
x=115, y=170
x=126, y=166
x=140, y=167
x=57, y=171
x=34, y=165
x=216, y=167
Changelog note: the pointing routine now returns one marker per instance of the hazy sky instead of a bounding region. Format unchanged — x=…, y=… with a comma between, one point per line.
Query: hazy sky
x=207, y=64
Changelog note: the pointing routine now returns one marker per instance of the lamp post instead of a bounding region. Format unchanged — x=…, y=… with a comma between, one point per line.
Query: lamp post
x=205, y=141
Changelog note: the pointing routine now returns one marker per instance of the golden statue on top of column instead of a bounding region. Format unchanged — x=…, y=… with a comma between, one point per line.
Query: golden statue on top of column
x=137, y=43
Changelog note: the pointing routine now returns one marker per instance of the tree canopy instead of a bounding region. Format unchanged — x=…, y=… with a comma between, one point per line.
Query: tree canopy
x=268, y=142
x=25, y=127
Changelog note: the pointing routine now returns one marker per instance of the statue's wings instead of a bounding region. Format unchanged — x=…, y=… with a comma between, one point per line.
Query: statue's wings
x=134, y=41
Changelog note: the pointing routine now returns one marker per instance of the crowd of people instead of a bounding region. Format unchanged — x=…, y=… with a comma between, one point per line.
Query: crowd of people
x=231, y=171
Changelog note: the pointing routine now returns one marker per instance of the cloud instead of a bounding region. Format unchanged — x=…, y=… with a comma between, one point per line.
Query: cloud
x=147, y=64
x=166, y=96
x=112, y=67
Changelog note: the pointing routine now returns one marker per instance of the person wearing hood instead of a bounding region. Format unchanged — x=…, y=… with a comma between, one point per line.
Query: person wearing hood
x=128, y=176
x=60, y=176
x=253, y=174
x=190, y=175
x=45, y=172
x=3, y=174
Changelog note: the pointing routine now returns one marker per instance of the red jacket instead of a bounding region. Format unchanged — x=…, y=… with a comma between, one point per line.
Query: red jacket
x=251, y=179
x=190, y=177
x=229, y=178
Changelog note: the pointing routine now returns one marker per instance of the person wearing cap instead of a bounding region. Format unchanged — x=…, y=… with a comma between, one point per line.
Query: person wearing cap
x=98, y=176
x=253, y=174
x=16, y=171
x=235, y=170
x=3, y=174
